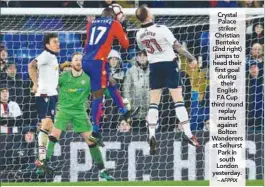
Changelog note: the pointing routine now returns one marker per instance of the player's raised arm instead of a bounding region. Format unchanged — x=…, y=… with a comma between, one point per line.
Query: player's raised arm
x=120, y=34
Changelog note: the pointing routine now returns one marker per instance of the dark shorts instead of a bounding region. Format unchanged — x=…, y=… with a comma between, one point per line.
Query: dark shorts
x=165, y=74
x=46, y=106
x=99, y=73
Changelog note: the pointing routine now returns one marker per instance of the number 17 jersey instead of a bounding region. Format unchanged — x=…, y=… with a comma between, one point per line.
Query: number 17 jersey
x=100, y=36
x=157, y=41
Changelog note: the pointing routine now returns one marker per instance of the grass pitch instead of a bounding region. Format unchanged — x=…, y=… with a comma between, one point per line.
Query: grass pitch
x=128, y=183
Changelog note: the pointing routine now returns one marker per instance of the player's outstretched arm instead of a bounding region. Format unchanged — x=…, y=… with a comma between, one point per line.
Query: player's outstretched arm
x=182, y=50
x=32, y=69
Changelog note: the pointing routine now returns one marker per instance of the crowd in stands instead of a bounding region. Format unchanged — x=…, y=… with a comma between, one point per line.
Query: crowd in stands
x=131, y=3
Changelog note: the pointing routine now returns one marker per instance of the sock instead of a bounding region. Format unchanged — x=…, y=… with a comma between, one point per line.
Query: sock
x=50, y=149
x=42, y=142
x=183, y=117
x=96, y=113
x=97, y=156
x=116, y=96
x=152, y=119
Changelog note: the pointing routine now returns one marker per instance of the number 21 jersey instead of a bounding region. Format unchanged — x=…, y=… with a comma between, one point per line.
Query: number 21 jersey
x=157, y=41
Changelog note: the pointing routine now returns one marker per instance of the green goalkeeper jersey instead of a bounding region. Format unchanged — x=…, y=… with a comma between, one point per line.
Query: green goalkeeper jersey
x=73, y=91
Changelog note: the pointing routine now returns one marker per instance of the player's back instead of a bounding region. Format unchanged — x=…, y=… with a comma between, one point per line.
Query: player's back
x=158, y=42
x=101, y=34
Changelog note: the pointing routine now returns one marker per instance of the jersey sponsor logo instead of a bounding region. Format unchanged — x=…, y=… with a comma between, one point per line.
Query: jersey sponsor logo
x=74, y=90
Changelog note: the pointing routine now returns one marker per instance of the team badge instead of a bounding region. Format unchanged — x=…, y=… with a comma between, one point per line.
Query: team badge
x=83, y=82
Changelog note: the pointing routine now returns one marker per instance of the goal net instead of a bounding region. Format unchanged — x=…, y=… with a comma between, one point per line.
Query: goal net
x=126, y=151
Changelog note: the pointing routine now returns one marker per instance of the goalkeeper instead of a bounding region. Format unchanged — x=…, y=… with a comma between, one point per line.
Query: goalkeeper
x=74, y=88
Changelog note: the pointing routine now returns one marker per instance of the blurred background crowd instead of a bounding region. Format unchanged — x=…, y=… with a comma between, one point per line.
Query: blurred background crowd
x=128, y=68
x=131, y=4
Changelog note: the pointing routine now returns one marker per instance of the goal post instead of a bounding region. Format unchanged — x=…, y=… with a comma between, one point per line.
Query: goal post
x=126, y=153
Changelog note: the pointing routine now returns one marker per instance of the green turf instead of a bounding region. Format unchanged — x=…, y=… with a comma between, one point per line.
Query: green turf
x=126, y=183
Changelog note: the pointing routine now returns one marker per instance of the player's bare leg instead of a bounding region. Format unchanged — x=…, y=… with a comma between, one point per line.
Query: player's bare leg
x=96, y=156
x=46, y=126
x=51, y=140
x=152, y=118
x=183, y=116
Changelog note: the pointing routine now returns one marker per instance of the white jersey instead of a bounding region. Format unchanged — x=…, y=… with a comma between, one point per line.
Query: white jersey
x=48, y=74
x=158, y=42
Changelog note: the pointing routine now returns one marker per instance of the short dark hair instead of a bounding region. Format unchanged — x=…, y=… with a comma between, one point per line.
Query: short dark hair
x=141, y=13
x=47, y=38
x=108, y=12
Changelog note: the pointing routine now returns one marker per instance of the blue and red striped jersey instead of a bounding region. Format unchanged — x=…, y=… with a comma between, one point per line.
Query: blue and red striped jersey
x=101, y=33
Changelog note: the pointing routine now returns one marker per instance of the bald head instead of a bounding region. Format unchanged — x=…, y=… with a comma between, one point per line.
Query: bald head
x=257, y=50
x=143, y=14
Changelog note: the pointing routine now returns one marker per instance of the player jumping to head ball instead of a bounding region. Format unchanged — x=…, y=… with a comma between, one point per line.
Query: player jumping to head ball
x=101, y=33
x=159, y=43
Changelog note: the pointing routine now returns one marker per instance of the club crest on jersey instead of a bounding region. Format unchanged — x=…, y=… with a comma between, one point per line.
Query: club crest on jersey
x=83, y=82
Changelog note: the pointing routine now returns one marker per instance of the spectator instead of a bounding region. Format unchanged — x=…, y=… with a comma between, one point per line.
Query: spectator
x=255, y=32
x=3, y=58
x=18, y=89
x=136, y=88
x=111, y=113
x=256, y=54
x=10, y=113
x=254, y=97
x=116, y=68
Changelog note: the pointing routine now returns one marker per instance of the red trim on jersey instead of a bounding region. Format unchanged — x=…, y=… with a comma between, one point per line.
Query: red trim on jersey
x=99, y=114
x=119, y=98
x=103, y=75
x=116, y=31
